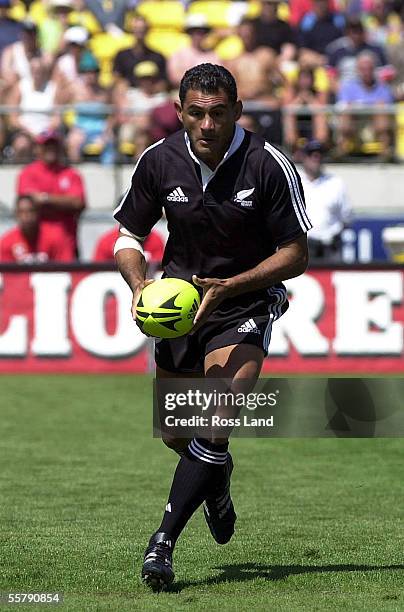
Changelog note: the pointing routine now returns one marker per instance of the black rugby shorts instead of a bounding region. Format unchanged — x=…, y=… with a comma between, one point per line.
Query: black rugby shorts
x=245, y=319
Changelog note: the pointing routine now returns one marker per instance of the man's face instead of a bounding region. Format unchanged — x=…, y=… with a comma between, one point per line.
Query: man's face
x=357, y=35
x=29, y=39
x=27, y=216
x=366, y=70
x=246, y=32
x=139, y=29
x=198, y=35
x=49, y=152
x=209, y=120
x=321, y=8
x=312, y=163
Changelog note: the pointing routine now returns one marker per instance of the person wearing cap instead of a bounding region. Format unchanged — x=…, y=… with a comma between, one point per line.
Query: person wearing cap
x=135, y=105
x=93, y=124
x=327, y=204
x=58, y=189
x=67, y=65
x=126, y=60
x=33, y=241
x=197, y=28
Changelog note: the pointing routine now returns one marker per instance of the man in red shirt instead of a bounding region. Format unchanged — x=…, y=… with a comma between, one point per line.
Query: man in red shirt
x=153, y=246
x=32, y=241
x=57, y=189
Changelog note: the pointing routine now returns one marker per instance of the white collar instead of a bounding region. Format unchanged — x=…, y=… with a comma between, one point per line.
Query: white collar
x=206, y=172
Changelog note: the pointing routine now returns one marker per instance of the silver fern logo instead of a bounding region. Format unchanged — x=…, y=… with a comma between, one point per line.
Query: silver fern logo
x=241, y=196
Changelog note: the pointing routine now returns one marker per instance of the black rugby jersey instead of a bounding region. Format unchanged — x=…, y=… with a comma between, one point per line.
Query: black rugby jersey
x=252, y=203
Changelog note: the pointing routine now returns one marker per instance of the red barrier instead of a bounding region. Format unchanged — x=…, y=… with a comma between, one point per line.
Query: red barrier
x=78, y=320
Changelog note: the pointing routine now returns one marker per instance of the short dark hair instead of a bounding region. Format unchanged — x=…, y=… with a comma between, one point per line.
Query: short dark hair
x=354, y=24
x=208, y=78
x=24, y=196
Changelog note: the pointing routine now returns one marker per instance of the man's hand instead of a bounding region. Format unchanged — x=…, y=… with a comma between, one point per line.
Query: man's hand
x=136, y=295
x=215, y=290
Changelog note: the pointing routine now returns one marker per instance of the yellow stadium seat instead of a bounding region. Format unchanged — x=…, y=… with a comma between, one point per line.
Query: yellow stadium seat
x=321, y=80
x=229, y=48
x=215, y=11
x=400, y=131
x=85, y=19
x=93, y=149
x=38, y=12
x=163, y=14
x=284, y=11
x=69, y=118
x=166, y=42
x=224, y=13
x=17, y=11
x=372, y=148
x=127, y=148
x=106, y=46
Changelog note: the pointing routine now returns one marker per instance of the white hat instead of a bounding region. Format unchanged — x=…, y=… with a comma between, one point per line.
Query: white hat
x=196, y=21
x=77, y=35
x=54, y=4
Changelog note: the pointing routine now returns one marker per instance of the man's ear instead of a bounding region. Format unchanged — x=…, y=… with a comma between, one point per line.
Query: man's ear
x=178, y=109
x=238, y=109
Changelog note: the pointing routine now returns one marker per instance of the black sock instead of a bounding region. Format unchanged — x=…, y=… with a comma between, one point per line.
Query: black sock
x=196, y=475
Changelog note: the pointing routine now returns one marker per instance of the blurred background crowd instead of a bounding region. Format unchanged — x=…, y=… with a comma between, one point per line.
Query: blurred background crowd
x=95, y=80
x=106, y=71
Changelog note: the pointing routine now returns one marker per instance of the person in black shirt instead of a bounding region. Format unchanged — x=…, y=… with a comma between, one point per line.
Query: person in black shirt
x=237, y=228
x=273, y=32
x=126, y=60
x=317, y=30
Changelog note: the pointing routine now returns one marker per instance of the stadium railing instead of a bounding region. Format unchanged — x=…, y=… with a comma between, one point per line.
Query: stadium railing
x=269, y=121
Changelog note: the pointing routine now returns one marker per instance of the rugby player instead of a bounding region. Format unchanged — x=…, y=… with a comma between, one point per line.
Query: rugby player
x=237, y=228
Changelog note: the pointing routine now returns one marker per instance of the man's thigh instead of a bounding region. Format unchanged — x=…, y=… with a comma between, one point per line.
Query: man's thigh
x=236, y=369
x=240, y=363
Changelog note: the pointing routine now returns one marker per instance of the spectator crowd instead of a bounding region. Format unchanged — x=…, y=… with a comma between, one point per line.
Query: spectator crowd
x=84, y=78
x=105, y=73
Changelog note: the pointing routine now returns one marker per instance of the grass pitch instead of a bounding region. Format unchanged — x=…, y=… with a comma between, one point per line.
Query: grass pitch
x=83, y=485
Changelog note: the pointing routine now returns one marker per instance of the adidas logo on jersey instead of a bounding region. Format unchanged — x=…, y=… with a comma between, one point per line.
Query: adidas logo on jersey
x=177, y=195
x=249, y=327
x=241, y=196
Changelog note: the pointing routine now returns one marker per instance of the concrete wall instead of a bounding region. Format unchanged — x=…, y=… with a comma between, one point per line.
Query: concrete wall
x=373, y=188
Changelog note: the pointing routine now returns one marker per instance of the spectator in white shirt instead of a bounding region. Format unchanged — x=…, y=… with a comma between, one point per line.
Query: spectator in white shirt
x=327, y=204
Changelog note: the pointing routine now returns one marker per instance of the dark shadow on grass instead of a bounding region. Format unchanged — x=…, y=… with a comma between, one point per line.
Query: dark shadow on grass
x=243, y=572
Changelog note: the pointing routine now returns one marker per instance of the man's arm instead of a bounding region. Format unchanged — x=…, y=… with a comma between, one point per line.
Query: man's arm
x=290, y=260
x=65, y=202
x=132, y=265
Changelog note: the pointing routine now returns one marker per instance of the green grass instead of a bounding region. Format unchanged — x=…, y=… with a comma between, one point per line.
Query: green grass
x=83, y=485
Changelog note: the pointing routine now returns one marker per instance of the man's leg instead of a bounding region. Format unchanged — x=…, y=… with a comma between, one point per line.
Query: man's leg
x=157, y=569
x=242, y=365
x=200, y=472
